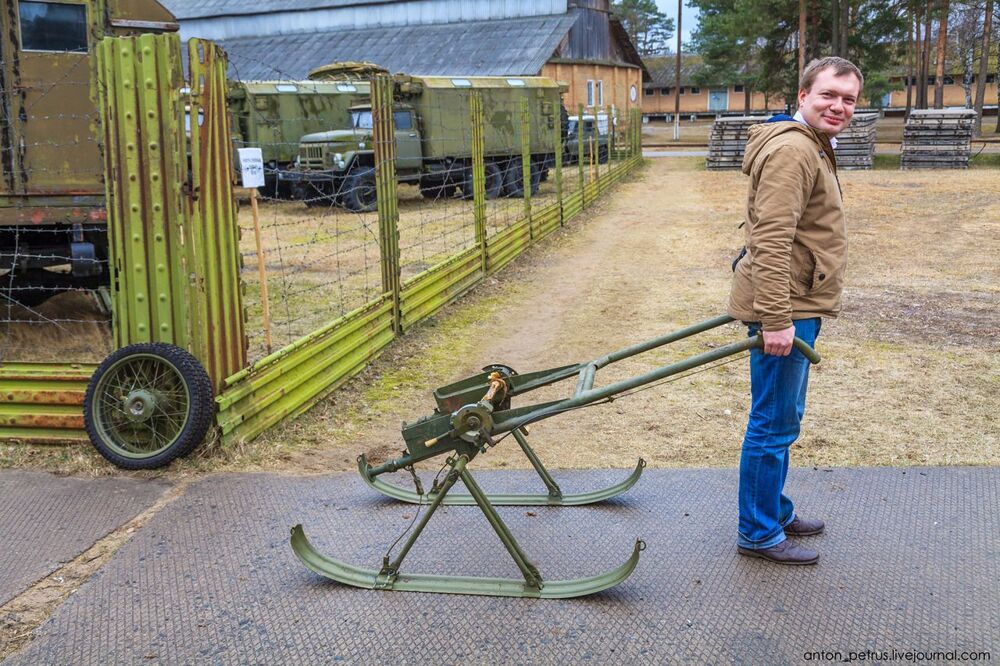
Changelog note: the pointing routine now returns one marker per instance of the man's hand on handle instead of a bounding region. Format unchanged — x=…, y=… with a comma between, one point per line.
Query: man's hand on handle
x=779, y=343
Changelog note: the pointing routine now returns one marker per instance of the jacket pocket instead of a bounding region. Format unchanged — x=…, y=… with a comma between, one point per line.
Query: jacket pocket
x=802, y=270
x=820, y=277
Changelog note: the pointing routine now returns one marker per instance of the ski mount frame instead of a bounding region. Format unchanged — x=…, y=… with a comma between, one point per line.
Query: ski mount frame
x=469, y=417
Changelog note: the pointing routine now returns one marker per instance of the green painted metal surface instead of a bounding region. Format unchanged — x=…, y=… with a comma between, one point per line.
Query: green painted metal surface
x=218, y=333
x=173, y=234
x=526, y=161
x=384, y=137
x=43, y=402
x=391, y=576
x=138, y=84
x=293, y=379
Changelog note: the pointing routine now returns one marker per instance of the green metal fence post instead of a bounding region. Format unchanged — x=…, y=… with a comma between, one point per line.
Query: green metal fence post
x=384, y=138
x=173, y=233
x=637, y=134
x=558, y=143
x=479, y=174
x=526, y=176
x=579, y=155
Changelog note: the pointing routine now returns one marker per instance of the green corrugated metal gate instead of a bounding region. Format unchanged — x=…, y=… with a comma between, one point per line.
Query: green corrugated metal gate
x=175, y=256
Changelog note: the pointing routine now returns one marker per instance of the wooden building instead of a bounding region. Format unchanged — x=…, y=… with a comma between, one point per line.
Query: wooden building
x=576, y=41
x=698, y=98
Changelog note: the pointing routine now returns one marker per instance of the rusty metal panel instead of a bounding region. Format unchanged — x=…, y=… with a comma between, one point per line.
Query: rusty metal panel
x=425, y=294
x=138, y=87
x=508, y=244
x=172, y=231
x=43, y=402
x=288, y=382
x=218, y=334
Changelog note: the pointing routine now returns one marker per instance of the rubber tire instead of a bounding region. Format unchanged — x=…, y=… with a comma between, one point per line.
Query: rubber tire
x=494, y=181
x=438, y=190
x=513, y=185
x=358, y=193
x=314, y=196
x=603, y=154
x=201, y=411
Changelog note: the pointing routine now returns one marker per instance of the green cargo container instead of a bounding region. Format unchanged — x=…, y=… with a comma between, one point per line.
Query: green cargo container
x=274, y=115
x=442, y=104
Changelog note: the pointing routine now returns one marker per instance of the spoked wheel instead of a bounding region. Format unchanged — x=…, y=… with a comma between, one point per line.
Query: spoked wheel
x=148, y=404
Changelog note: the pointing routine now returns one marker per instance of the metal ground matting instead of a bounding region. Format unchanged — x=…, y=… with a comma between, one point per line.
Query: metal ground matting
x=910, y=560
x=47, y=520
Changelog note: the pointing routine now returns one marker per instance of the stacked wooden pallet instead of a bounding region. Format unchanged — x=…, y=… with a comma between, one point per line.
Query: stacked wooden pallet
x=728, y=140
x=856, y=144
x=938, y=139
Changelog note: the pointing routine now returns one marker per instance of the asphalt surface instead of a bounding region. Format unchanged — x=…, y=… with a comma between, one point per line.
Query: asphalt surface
x=47, y=520
x=910, y=561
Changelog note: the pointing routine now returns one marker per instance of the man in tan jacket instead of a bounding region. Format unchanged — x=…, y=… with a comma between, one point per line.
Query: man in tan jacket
x=790, y=277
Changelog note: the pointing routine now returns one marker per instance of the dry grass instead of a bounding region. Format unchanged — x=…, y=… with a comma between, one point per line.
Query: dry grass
x=69, y=327
x=323, y=262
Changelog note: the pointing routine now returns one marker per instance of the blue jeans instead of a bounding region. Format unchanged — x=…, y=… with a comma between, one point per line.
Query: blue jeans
x=778, y=401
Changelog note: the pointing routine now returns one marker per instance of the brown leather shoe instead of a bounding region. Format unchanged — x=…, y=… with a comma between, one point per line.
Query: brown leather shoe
x=785, y=552
x=804, y=527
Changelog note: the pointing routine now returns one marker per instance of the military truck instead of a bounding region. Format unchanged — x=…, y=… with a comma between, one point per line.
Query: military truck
x=595, y=136
x=53, y=233
x=274, y=115
x=434, y=141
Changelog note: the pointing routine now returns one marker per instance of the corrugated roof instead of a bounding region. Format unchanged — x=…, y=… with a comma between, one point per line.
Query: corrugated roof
x=484, y=48
x=663, y=72
x=191, y=9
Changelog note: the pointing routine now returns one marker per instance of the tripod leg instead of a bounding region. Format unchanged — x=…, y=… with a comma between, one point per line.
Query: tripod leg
x=547, y=479
x=389, y=570
x=531, y=576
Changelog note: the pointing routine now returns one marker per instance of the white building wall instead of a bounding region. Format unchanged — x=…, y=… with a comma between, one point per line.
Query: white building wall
x=414, y=12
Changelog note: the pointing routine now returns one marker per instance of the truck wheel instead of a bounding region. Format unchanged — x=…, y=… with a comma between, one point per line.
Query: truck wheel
x=603, y=154
x=316, y=196
x=359, y=193
x=493, y=185
x=435, y=189
x=513, y=184
x=147, y=404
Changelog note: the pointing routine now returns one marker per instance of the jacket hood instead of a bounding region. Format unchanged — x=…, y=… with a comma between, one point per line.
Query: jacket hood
x=760, y=134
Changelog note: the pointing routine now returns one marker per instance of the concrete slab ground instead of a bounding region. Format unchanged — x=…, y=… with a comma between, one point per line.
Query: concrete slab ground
x=47, y=520
x=910, y=561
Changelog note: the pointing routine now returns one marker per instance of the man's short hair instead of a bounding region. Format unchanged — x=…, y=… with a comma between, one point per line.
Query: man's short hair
x=840, y=67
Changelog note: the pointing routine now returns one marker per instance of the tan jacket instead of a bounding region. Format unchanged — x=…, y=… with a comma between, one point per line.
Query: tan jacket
x=795, y=229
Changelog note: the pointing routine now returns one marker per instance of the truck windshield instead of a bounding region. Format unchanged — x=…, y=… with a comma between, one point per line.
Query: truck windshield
x=362, y=119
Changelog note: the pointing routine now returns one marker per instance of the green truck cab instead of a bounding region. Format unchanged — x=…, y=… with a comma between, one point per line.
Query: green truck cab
x=433, y=141
x=275, y=115
x=53, y=220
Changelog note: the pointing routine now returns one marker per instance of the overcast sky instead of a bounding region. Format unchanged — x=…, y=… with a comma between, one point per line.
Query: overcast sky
x=688, y=23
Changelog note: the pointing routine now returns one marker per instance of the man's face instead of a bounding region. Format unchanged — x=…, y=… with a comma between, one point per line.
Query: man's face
x=829, y=104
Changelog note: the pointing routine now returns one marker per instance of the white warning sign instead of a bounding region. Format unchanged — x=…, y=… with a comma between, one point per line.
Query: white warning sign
x=252, y=167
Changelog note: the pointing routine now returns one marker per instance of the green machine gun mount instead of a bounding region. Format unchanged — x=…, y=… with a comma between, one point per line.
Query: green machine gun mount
x=475, y=414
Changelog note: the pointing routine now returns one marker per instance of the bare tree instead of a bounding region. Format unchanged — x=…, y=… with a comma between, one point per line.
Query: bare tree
x=984, y=57
x=845, y=25
x=910, y=66
x=835, y=27
x=942, y=39
x=802, y=36
x=926, y=57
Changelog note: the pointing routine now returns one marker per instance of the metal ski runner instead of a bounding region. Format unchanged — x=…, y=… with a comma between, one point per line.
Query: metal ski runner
x=470, y=415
